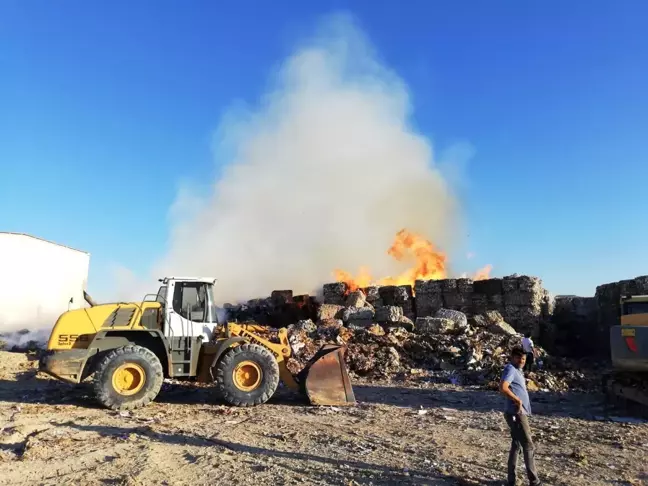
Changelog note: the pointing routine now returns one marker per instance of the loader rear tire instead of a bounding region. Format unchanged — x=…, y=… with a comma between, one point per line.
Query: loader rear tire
x=247, y=375
x=128, y=378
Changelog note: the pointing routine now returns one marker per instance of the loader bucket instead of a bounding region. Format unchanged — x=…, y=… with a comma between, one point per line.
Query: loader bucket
x=325, y=379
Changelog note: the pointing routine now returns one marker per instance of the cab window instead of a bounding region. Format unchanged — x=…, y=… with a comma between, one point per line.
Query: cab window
x=190, y=300
x=635, y=308
x=161, y=295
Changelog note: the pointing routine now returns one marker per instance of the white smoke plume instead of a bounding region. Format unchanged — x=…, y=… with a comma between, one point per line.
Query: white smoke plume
x=320, y=175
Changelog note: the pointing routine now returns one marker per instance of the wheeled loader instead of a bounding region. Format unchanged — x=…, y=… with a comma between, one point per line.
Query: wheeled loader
x=130, y=348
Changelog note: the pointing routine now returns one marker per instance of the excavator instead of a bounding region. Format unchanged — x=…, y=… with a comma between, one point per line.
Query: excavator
x=629, y=352
x=130, y=348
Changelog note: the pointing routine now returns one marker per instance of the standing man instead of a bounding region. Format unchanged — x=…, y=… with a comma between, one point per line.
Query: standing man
x=529, y=349
x=518, y=408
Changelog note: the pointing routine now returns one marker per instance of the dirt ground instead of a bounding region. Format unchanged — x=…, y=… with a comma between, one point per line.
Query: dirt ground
x=426, y=433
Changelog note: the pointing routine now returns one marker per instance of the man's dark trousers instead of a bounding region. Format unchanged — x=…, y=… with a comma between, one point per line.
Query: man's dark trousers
x=521, y=439
x=529, y=361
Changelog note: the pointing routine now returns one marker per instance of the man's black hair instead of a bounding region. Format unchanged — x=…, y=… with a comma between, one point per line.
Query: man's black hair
x=517, y=351
x=528, y=334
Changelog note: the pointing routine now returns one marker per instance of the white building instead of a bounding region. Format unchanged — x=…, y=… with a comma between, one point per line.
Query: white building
x=39, y=280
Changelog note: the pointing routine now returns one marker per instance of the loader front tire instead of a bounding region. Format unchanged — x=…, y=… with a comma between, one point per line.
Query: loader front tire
x=128, y=378
x=247, y=375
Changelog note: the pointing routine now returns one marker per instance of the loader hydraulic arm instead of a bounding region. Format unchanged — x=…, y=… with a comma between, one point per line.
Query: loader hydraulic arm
x=281, y=351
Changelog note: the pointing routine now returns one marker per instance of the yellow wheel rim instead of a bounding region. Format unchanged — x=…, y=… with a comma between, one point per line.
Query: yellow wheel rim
x=247, y=375
x=128, y=379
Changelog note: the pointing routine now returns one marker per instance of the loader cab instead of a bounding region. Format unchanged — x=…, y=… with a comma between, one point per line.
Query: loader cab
x=634, y=310
x=189, y=308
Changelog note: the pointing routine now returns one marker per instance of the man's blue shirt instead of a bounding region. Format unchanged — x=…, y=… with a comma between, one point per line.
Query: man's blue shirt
x=517, y=384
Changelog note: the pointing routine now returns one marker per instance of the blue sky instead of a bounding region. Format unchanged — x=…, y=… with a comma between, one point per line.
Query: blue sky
x=105, y=109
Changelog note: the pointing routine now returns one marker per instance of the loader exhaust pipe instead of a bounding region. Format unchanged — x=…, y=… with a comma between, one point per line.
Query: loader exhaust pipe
x=88, y=299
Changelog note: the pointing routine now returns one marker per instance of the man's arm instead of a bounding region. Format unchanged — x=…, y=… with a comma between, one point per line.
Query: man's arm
x=506, y=391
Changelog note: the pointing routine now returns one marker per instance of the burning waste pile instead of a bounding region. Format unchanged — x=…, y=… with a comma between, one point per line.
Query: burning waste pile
x=383, y=342
x=420, y=322
x=420, y=291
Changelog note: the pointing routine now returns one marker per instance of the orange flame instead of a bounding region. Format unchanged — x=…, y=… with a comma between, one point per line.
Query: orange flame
x=483, y=273
x=429, y=264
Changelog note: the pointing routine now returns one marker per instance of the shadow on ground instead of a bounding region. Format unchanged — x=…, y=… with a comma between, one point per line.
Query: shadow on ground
x=30, y=387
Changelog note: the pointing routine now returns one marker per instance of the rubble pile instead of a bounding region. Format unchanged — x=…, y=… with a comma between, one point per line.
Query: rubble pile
x=453, y=329
x=448, y=346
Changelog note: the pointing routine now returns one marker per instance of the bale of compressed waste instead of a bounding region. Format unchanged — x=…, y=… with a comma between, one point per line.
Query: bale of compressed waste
x=329, y=311
x=399, y=295
x=281, y=297
x=434, y=325
x=457, y=317
x=428, y=297
x=356, y=298
x=358, y=315
x=389, y=314
x=335, y=293
x=494, y=323
x=373, y=296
